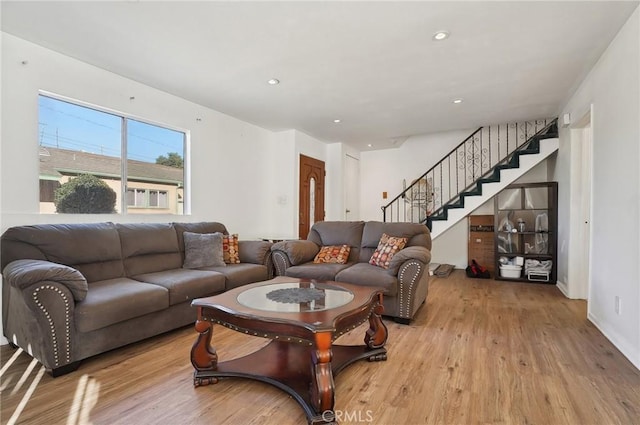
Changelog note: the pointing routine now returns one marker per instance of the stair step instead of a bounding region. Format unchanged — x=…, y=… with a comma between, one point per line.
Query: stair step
x=475, y=192
x=489, y=180
x=532, y=146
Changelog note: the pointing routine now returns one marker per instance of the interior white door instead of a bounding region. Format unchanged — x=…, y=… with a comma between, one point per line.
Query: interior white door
x=585, y=209
x=352, y=188
x=580, y=210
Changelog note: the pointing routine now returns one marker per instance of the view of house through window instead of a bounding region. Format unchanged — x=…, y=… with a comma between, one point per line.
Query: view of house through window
x=80, y=141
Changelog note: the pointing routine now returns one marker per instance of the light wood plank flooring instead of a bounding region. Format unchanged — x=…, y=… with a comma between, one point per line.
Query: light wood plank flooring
x=479, y=352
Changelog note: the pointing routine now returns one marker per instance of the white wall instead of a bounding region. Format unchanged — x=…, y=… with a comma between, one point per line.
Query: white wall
x=613, y=88
x=384, y=170
x=283, y=187
x=226, y=153
x=241, y=174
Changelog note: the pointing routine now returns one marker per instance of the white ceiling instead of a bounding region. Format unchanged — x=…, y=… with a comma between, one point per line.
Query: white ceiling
x=371, y=64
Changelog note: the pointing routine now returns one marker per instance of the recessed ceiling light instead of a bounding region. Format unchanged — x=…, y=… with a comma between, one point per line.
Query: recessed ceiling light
x=369, y=145
x=336, y=121
x=273, y=81
x=457, y=101
x=441, y=35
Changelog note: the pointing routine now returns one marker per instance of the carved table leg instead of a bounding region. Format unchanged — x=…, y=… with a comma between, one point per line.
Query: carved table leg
x=376, y=335
x=203, y=355
x=322, y=386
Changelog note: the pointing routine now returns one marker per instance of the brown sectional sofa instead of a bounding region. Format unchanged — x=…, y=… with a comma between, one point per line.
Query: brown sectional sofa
x=71, y=291
x=405, y=282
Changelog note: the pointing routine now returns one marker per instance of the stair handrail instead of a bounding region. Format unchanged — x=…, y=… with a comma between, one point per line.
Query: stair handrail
x=431, y=187
x=503, y=161
x=403, y=194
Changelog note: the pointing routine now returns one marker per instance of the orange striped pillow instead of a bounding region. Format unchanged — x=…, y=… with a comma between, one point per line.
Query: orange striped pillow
x=387, y=248
x=230, y=249
x=337, y=254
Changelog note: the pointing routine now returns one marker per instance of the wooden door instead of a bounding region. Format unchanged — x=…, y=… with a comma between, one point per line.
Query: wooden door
x=311, y=207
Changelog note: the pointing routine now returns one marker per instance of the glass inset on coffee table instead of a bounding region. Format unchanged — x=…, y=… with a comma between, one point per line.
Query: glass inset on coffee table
x=302, y=318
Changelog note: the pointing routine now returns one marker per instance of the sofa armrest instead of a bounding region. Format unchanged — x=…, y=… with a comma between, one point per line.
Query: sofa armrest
x=21, y=274
x=297, y=251
x=419, y=253
x=256, y=252
x=40, y=309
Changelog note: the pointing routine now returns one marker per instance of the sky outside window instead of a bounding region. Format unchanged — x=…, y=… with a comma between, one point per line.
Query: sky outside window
x=67, y=126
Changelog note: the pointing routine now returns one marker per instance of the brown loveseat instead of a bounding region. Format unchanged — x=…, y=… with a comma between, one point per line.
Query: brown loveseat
x=71, y=291
x=405, y=281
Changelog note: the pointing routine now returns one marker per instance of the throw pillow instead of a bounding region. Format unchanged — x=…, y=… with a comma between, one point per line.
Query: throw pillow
x=202, y=250
x=337, y=254
x=387, y=248
x=230, y=249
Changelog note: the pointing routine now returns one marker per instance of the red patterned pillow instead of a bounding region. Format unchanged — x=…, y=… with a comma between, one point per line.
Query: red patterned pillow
x=230, y=249
x=337, y=254
x=387, y=248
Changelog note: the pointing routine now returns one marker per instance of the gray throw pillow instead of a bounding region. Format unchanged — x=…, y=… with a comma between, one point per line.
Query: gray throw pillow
x=202, y=250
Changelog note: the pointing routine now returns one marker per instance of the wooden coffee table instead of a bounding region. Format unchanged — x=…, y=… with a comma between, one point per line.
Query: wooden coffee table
x=302, y=318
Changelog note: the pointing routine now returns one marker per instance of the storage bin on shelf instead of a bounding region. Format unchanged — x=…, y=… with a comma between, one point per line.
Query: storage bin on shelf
x=510, y=271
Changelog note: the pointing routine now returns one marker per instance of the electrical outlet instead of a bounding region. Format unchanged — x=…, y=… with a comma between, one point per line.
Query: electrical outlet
x=618, y=305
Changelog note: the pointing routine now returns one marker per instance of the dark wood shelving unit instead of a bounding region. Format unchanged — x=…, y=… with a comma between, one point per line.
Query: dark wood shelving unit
x=526, y=217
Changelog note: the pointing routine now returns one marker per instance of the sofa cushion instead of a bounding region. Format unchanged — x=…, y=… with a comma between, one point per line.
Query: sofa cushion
x=202, y=250
x=325, y=233
x=230, y=249
x=416, y=234
x=370, y=275
x=91, y=248
x=200, y=227
x=316, y=271
x=116, y=300
x=387, y=248
x=241, y=274
x=333, y=254
x=254, y=251
x=149, y=247
x=186, y=284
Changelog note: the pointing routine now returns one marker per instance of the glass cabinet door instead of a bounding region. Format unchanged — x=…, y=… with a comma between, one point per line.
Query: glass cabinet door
x=510, y=199
x=536, y=198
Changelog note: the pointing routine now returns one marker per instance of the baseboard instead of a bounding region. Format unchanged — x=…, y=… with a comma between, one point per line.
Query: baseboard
x=620, y=343
x=563, y=288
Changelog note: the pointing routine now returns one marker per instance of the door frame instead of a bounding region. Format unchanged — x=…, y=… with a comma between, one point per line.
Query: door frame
x=581, y=209
x=317, y=171
x=352, y=188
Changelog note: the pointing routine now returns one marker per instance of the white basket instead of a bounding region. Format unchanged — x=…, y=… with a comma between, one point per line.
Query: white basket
x=513, y=272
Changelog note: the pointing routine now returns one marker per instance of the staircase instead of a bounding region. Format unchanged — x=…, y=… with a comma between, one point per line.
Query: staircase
x=481, y=166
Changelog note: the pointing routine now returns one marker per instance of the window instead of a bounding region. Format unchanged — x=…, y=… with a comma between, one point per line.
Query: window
x=147, y=198
x=143, y=161
x=48, y=189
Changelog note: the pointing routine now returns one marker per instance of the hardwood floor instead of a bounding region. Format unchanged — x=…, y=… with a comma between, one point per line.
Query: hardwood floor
x=481, y=352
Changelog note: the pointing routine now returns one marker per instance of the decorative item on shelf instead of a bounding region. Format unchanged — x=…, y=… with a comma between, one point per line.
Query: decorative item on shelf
x=531, y=208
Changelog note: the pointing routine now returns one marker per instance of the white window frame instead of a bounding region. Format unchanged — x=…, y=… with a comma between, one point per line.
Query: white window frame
x=186, y=197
